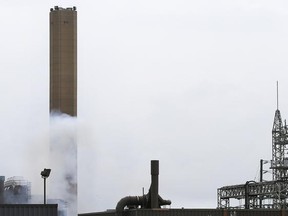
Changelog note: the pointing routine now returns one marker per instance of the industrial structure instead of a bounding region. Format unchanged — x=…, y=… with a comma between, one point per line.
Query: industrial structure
x=29, y=210
x=193, y=212
x=15, y=190
x=63, y=100
x=271, y=194
x=259, y=198
x=15, y=196
x=63, y=60
x=152, y=204
x=152, y=200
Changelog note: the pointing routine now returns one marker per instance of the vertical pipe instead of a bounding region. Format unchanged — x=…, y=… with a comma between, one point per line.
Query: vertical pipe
x=154, y=183
x=261, y=180
x=44, y=191
x=246, y=196
x=261, y=170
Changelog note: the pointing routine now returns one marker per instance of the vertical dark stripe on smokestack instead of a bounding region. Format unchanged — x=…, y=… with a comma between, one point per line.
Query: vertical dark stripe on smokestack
x=154, y=183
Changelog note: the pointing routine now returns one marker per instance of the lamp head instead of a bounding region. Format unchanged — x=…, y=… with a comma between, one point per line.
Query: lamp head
x=45, y=173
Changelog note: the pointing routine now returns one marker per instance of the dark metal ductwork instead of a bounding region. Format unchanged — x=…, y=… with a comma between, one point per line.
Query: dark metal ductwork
x=150, y=200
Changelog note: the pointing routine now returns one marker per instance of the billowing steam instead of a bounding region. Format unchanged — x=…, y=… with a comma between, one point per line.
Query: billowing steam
x=63, y=160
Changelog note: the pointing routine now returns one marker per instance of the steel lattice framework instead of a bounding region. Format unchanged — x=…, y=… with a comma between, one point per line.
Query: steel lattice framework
x=270, y=194
x=279, y=163
x=254, y=195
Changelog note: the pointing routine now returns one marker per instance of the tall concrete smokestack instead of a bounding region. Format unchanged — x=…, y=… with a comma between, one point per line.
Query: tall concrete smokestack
x=63, y=60
x=63, y=99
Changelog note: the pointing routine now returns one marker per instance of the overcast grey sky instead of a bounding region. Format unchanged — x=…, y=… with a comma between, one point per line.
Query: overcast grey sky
x=191, y=83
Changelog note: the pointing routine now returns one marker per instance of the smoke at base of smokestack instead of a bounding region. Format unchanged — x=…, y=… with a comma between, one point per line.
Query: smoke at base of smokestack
x=63, y=160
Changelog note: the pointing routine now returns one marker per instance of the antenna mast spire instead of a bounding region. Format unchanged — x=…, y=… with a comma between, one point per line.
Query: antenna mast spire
x=277, y=97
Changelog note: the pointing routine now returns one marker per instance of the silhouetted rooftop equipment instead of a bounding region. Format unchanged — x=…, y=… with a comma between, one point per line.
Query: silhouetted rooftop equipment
x=151, y=200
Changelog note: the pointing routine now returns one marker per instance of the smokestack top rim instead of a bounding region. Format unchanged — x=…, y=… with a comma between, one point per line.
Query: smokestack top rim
x=154, y=167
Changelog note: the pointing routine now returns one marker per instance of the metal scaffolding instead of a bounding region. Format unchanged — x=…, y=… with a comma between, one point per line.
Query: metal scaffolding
x=269, y=194
x=17, y=190
x=254, y=195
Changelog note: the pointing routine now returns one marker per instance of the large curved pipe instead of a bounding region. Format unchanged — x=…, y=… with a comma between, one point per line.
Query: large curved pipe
x=139, y=201
x=130, y=201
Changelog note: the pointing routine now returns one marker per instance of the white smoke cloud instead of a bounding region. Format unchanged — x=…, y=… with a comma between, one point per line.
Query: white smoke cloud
x=63, y=160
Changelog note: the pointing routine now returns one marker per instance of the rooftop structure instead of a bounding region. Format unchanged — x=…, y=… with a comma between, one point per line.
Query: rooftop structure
x=192, y=212
x=28, y=209
x=17, y=190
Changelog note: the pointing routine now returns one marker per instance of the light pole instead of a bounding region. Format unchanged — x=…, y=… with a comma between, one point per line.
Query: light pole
x=45, y=174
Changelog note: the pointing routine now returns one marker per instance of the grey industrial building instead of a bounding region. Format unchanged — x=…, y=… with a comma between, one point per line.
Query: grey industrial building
x=193, y=212
x=28, y=210
x=15, y=199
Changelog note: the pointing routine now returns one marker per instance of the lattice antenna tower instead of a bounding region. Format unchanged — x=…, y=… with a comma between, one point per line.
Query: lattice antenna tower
x=279, y=163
